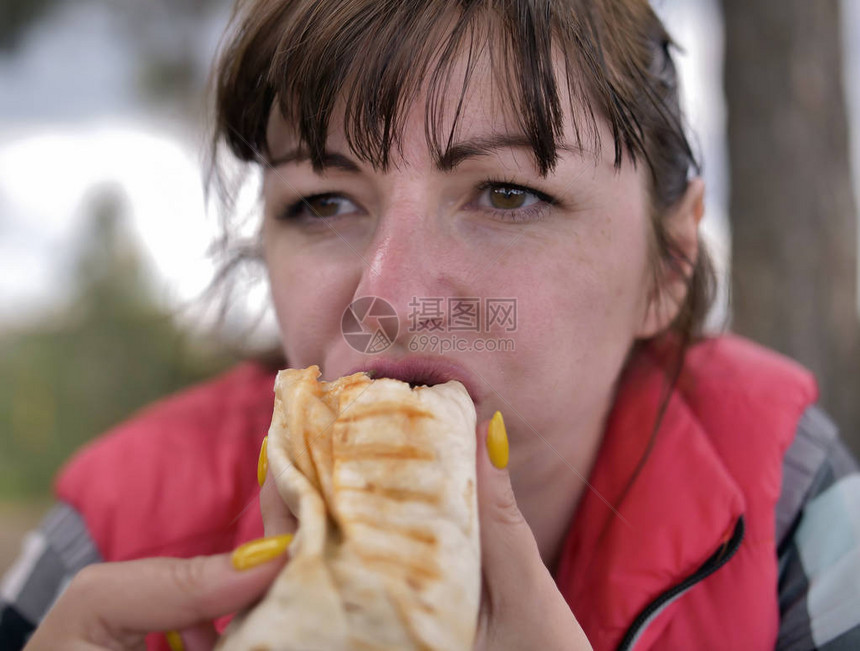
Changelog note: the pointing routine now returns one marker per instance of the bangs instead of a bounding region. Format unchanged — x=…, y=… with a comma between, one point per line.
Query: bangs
x=369, y=62
x=374, y=57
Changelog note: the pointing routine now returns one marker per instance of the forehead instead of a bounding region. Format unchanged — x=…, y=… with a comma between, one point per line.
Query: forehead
x=474, y=105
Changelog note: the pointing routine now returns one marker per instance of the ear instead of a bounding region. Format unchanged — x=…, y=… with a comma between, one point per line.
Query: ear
x=682, y=227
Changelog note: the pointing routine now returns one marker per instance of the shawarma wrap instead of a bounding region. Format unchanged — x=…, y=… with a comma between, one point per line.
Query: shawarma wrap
x=381, y=477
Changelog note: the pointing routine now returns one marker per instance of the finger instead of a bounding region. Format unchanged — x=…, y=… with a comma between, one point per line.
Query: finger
x=509, y=552
x=202, y=637
x=277, y=517
x=159, y=594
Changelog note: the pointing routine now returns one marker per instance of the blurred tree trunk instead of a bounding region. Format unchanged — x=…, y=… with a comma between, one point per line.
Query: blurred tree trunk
x=16, y=16
x=792, y=209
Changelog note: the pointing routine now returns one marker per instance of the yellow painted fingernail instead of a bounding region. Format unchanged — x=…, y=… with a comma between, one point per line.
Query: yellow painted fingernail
x=497, y=441
x=260, y=551
x=263, y=462
x=174, y=641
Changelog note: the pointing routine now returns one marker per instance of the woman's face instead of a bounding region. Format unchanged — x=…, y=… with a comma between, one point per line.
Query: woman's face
x=557, y=268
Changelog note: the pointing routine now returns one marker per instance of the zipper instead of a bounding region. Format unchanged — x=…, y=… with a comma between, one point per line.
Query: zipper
x=661, y=602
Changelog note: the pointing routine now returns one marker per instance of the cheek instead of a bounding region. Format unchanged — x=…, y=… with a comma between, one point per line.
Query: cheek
x=581, y=299
x=308, y=294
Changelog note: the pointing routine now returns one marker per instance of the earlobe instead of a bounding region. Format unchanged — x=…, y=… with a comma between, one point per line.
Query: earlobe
x=671, y=280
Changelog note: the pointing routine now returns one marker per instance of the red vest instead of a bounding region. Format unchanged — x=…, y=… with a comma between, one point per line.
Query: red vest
x=180, y=480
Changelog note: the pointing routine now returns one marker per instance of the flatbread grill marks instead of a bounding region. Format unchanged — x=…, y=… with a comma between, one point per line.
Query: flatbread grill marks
x=387, y=555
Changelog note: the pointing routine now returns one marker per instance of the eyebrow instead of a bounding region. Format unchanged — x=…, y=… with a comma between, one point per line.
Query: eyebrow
x=450, y=160
x=462, y=151
x=329, y=159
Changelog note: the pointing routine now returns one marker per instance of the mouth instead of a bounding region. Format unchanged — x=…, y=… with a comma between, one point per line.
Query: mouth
x=419, y=372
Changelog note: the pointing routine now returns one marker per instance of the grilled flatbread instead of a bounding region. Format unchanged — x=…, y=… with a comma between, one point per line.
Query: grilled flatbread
x=381, y=477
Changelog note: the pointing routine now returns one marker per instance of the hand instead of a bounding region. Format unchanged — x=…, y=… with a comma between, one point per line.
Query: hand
x=521, y=608
x=115, y=605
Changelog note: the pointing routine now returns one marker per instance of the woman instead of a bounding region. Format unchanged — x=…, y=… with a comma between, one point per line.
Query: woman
x=532, y=154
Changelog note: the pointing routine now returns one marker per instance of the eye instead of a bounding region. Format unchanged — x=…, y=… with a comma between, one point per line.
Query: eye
x=512, y=201
x=506, y=197
x=319, y=206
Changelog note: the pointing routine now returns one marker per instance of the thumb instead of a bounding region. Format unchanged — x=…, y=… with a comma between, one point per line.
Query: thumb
x=119, y=603
x=509, y=552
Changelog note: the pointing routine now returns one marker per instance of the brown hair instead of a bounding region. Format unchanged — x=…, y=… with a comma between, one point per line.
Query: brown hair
x=375, y=55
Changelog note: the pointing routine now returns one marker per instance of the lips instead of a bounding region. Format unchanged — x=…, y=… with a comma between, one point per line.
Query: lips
x=418, y=371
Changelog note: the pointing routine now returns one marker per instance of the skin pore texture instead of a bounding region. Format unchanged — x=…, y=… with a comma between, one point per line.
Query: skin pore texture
x=575, y=255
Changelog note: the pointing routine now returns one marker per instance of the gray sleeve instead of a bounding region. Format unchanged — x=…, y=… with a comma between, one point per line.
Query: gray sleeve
x=818, y=529
x=50, y=556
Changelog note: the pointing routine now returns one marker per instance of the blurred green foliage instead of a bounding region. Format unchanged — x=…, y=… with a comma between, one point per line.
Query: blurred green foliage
x=70, y=377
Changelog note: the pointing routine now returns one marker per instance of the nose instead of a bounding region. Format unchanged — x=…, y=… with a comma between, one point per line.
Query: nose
x=411, y=266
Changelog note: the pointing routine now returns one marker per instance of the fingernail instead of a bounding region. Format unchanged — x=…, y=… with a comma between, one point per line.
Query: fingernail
x=260, y=551
x=263, y=462
x=497, y=441
x=174, y=641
